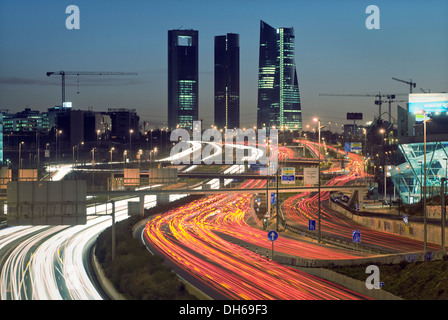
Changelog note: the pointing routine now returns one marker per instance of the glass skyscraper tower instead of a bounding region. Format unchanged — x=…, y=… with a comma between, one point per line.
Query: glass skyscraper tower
x=278, y=88
x=227, y=81
x=182, y=78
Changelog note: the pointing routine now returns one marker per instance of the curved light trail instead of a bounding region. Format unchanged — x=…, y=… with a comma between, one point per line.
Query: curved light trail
x=189, y=236
x=303, y=207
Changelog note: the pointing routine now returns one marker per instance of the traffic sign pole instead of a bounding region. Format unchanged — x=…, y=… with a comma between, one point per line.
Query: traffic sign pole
x=272, y=236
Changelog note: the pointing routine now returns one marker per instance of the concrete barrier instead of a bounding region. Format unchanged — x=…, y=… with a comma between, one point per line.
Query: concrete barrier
x=106, y=284
x=350, y=283
x=414, y=230
x=379, y=259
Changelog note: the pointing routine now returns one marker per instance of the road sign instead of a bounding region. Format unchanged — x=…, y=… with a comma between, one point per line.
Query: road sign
x=405, y=218
x=257, y=166
x=357, y=207
x=312, y=225
x=310, y=176
x=272, y=235
x=356, y=236
x=272, y=198
x=288, y=175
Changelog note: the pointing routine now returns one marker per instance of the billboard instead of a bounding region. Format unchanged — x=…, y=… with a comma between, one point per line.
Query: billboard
x=131, y=177
x=429, y=102
x=46, y=203
x=27, y=174
x=354, y=116
x=162, y=175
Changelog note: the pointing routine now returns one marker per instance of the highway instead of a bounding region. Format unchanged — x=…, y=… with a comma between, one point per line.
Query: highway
x=51, y=262
x=191, y=237
x=202, y=238
x=301, y=208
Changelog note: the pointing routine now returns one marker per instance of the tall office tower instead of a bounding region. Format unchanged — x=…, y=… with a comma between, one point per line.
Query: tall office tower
x=182, y=78
x=278, y=88
x=227, y=81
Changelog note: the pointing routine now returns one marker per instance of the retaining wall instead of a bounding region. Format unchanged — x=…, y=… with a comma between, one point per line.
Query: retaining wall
x=412, y=230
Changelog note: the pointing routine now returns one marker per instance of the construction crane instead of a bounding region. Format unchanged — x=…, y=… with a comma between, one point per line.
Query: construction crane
x=84, y=73
x=389, y=98
x=410, y=83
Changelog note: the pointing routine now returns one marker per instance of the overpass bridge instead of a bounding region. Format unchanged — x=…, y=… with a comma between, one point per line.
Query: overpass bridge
x=163, y=194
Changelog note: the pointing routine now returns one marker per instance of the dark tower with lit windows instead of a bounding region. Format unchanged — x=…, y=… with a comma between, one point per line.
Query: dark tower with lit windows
x=182, y=78
x=227, y=81
x=278, y=89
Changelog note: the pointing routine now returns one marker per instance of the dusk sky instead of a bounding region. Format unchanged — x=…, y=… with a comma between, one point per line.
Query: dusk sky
x=335, y=52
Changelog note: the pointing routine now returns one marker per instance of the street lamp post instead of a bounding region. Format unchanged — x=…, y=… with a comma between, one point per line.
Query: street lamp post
x=20, y=154
x=384, y=163
x=58, y=133
x=425, y=233
x=130, y=142
x=93, y=171
x=318, y=187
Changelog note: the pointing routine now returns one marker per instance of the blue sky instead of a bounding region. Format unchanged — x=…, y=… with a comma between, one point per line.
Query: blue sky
x=335, y=52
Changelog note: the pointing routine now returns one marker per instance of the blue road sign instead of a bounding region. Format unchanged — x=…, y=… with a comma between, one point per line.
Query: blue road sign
x=272, y=235
x=356, y=236
x=405, y=219
x=272, y=198
x=311, y=224
x=257, y=166
x=287, y=178
x=357, y=206
x=348, y=147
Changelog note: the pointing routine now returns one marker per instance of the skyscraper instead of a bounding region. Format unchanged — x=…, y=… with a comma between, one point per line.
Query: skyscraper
x=227, y=81
x=278, y=89
x=182, y=78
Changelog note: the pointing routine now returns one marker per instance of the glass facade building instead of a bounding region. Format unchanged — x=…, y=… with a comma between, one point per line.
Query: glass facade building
x=182, y=78
x=408, y=177
x=227, y=81
x=278, y=89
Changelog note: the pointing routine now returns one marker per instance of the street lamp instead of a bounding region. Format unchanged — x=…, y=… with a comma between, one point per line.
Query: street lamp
x=318, y=188
x=382, y=131
x=112, y=149
x=58, y=133
x=20, y=154
x=420, y=111
x=130, y=141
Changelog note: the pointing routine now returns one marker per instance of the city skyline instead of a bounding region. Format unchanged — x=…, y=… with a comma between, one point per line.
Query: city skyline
x=335, y=53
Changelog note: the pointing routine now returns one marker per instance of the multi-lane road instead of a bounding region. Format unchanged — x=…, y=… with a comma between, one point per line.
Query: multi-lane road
x=204, y=240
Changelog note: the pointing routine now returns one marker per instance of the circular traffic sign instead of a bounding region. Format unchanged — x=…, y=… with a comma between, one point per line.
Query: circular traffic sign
x=272, y=235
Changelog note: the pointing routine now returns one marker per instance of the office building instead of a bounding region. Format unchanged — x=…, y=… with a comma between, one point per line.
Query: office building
x=124, y=124
x=182, y=78
x=24, y=121
x=278, y=90
x=227, y=81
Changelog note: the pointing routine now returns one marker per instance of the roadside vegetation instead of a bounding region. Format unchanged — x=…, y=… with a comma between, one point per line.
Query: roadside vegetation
x=135, y=272
x=408, y=280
